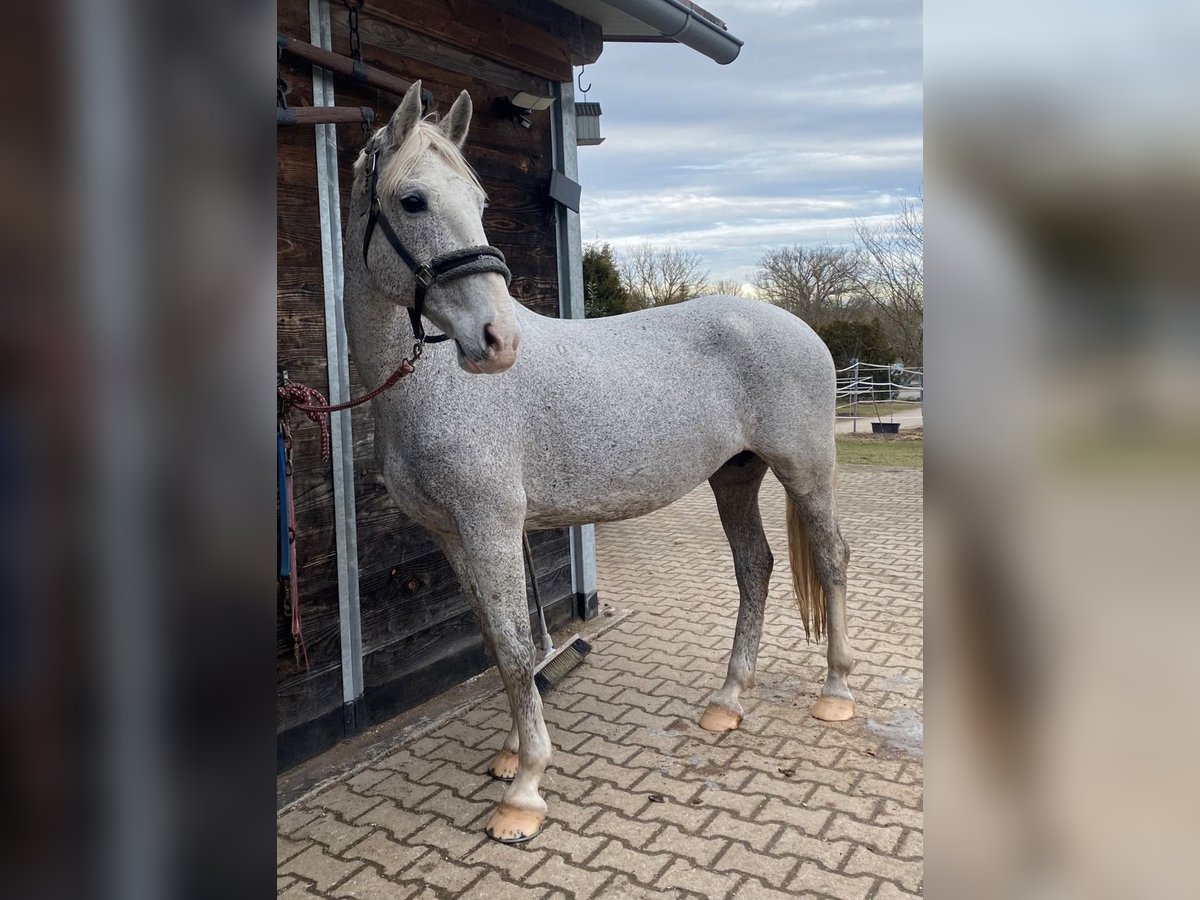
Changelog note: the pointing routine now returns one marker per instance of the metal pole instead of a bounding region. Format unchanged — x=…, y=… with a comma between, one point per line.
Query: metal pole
x=854, y=397
x=338, y=356
x=570, y=303
x=351, y=68
x=324, y=115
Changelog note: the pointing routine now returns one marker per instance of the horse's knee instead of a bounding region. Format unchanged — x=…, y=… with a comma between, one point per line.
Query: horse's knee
x=515, y=658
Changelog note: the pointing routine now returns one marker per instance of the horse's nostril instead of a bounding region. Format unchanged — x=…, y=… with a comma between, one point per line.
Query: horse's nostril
x=491, y=338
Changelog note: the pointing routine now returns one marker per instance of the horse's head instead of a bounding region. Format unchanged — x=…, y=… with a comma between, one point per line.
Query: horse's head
x=430, y=207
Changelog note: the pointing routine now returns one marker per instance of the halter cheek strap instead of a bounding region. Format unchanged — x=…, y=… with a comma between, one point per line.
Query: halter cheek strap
x=448, y=267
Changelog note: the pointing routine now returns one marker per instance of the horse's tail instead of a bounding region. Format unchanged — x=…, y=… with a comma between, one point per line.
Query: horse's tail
x=810, y=595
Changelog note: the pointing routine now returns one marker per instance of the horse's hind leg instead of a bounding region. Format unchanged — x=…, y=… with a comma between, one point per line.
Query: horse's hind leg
x=816, y=541
x=735, y=486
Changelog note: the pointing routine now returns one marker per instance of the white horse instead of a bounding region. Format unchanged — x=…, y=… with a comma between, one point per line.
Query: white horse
x=579, y=421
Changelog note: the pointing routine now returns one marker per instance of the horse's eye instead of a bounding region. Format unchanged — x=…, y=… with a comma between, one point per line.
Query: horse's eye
x=413, y=203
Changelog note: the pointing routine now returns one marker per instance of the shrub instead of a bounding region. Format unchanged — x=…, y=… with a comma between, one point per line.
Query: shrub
x=603, y=293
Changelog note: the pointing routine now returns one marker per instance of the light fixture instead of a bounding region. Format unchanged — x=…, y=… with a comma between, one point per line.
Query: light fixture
x=587, y=124
x=531, y=102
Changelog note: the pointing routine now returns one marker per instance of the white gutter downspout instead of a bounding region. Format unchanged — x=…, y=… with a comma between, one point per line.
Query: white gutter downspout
x=675, y=21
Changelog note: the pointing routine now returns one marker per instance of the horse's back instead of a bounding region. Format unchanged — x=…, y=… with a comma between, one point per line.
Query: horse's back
x=627, y=413
x=734, y=324
x=749, y=346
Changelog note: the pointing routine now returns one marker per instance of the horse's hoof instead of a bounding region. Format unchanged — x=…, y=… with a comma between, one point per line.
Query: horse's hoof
x=833, y=709
x=504, y=766
x=512, y=825
x=720, y=718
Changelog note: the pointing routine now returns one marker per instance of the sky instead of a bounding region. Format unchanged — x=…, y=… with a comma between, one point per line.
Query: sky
x=815, y=124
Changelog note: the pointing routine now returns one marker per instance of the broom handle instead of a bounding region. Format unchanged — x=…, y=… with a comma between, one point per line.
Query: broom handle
x=547, y=644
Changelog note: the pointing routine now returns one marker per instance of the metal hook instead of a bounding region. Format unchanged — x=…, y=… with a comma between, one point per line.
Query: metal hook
x=579, y=81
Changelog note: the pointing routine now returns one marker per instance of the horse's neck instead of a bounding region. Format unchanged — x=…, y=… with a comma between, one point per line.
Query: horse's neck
x=380, y=334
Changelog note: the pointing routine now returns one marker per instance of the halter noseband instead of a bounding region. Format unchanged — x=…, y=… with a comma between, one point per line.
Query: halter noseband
x=440, y=270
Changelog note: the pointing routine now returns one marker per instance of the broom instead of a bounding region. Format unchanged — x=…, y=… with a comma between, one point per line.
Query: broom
x=555, y=664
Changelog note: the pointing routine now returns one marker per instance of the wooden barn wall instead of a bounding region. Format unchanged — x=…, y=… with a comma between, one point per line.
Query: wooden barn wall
x=419, y=636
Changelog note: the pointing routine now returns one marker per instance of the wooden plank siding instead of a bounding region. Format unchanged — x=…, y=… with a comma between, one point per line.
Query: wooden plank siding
x=419, y=636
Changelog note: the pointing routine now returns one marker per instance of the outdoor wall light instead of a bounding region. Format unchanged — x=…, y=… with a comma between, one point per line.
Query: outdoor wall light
x=520, y=105
x=530, y=102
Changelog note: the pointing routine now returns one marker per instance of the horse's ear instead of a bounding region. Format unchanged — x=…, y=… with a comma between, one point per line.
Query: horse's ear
x=407, y=115
x=455, y=125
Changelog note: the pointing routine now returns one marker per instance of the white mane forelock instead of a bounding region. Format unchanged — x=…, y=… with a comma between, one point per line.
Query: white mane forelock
x=424, y=138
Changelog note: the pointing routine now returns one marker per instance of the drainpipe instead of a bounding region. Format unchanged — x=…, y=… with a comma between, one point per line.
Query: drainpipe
x=674, y=20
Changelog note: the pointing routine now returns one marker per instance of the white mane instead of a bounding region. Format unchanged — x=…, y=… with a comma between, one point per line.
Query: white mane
x=424, y=138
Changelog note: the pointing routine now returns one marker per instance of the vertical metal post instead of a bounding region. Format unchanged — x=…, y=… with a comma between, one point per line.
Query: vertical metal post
x=338, y=356
x=854, y=401
x=570, y=304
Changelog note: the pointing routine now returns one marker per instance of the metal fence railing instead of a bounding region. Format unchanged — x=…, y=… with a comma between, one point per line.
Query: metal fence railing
x=881, y=392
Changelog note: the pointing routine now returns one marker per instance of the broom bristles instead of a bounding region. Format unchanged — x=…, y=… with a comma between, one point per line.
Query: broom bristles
x=561, y=663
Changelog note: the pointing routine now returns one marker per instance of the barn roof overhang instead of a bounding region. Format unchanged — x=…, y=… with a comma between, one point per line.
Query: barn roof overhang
x=660, y=21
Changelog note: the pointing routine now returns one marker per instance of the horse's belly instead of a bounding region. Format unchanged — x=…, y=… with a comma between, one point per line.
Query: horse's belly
x=610, y=495
x=612, y=508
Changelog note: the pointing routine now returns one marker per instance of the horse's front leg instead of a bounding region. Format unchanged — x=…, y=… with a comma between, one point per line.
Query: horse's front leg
x=487, y=557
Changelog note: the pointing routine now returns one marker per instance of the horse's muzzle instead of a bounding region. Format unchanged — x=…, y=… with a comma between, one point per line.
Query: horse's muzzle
x=497, y=350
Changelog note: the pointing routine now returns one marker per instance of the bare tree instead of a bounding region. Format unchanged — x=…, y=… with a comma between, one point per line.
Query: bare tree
x=818, y=284
x=893, y=277
x=655, y=276
x=725, y=287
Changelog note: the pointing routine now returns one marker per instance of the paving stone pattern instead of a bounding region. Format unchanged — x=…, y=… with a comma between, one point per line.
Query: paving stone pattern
x=643, y=803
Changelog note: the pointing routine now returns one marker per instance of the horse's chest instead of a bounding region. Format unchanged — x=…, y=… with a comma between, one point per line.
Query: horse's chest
x=411, y=482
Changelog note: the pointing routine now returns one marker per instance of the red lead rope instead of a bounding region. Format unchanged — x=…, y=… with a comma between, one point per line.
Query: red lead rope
x=313, y=404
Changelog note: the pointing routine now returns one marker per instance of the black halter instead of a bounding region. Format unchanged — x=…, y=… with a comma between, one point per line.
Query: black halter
x=441, y=269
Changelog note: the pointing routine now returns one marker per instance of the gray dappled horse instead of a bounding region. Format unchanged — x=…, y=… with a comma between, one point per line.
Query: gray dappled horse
x=590, y=421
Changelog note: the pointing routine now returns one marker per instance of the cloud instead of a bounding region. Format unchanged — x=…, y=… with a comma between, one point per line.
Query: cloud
x=816, y=124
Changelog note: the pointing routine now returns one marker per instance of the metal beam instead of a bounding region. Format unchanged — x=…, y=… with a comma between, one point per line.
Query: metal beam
x=338, y=356
x=569, y=246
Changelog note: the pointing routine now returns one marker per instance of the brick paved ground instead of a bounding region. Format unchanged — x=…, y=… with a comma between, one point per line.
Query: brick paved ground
x=643, y=803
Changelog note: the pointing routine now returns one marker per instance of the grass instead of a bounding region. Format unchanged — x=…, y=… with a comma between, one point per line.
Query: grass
x=880, y=450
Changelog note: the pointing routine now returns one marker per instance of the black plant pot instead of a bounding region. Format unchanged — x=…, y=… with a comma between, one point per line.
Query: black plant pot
x=885, y=427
